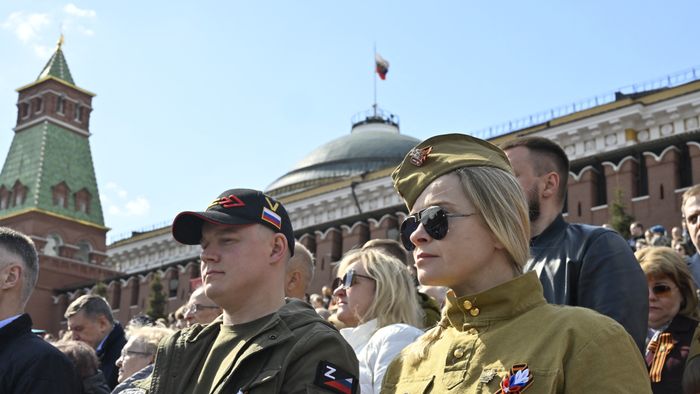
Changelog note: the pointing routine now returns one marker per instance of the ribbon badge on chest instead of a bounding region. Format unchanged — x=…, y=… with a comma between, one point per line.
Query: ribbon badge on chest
x=517, y=380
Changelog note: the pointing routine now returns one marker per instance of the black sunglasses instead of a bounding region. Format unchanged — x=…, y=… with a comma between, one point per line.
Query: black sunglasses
x=661, y=290
x=349, y=279
x=434, y=220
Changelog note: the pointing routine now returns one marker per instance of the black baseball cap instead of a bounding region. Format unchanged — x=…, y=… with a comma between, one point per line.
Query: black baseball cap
x=235, y=206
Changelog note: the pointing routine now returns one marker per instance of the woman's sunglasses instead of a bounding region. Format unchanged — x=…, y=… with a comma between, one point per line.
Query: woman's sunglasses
x=661, y=290
x=349, y=279
x=433, y=219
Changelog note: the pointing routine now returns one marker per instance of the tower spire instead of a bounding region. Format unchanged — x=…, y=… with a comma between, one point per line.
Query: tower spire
x=57, y=66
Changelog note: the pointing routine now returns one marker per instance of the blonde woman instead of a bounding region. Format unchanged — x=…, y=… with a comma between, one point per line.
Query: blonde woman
x=468, y=229
x=377, y=303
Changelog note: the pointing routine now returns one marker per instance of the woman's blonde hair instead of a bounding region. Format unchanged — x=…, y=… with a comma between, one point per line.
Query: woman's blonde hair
x=500, y=201
x=395, y=298
x=662, y=261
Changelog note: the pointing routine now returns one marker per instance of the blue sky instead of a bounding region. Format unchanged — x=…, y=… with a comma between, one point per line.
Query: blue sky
x=197, y=97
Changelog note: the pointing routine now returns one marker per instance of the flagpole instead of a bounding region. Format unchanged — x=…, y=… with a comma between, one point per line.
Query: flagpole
x=374, y=72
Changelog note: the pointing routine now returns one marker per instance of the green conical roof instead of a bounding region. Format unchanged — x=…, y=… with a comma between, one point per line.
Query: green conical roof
x=44, y=155
x=57, y=67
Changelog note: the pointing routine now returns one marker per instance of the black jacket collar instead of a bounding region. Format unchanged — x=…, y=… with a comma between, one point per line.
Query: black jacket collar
x=551, y=233
x=20, y=326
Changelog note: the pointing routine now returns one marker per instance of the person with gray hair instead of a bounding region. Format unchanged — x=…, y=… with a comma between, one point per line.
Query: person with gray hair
x=299, y=272
x=138, y=355
x=90, y=320
x=200, y=308
x=28, y=364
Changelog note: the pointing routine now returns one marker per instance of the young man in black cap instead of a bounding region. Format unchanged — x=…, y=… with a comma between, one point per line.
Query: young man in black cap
x=261, y=343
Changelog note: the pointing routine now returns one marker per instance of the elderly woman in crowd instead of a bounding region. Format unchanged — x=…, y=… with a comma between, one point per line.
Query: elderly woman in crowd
x=136, y=361
x=672, y=316
x=377, y=303
x=468, y=229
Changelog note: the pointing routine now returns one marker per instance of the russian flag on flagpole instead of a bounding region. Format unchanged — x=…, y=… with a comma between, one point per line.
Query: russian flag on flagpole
x=382, y=65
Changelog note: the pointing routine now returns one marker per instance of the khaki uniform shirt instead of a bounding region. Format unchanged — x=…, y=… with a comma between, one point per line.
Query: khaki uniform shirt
x=510, y=328
x=294, y=352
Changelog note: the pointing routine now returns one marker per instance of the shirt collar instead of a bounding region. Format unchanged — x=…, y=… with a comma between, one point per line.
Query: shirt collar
x=9, y=320
x=502, y=302
x=360, y=335
x=99, y=347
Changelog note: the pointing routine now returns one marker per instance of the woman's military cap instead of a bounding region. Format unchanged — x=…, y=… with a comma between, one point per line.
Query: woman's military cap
x=440, y=155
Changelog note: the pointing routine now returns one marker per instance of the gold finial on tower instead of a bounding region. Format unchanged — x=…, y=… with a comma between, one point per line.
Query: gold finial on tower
x=60, y=41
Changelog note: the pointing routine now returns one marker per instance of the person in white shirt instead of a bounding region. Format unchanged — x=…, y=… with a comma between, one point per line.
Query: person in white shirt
x=377, y=301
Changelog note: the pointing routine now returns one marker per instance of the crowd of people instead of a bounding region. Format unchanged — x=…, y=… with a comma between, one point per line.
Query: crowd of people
x=502, y=295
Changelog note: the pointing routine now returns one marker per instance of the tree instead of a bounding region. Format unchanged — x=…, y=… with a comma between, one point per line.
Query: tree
x=100, y=289
x=156, y=298
x=619, y=219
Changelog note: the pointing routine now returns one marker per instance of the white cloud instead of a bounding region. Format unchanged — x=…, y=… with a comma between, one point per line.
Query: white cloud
x=42, y=51
x=38, y=31
x=138, y=206
x=72, y=9
x=116, y=202
x=85, y=31
x=26, y=27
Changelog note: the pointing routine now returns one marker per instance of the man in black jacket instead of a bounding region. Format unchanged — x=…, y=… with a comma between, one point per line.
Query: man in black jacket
x=578, y=264
x=690, y=208
x=28, y=364
x=90, y=320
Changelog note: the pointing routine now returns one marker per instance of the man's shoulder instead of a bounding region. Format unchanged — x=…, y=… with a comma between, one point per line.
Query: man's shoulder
x=580, y=324
x=116, y=339
x=588, y=230
x=588, y=235
x=29, y=350
x=300, y=316
x=694, y=259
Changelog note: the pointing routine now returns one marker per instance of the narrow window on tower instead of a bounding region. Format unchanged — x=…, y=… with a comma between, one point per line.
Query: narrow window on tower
x=60, y=195
x=38, y=105
x=19, y=192
x=78, y=112
x=60, y=104
x=82, y=201
x=4, y=197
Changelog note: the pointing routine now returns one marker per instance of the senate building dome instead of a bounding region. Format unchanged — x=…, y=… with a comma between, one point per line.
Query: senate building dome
x=374, y=143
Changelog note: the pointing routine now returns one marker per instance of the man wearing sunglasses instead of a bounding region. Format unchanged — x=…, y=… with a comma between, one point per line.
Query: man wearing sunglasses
x=262, y=342
x=578, y=264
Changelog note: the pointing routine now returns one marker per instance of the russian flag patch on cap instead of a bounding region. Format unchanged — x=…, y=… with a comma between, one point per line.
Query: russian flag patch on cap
x=271, y=217
x=335, y=379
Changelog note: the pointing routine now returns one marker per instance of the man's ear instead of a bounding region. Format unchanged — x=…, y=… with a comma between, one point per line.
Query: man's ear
x=10, y=276
x=279, y=248
x=293, y=280
x=104, y=324
x=551, y=185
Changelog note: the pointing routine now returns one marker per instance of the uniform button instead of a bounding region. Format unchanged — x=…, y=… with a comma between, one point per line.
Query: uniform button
x=458, y=353
x=467, y=305
x=474, y=312
x=273, y=337
x=473, y=331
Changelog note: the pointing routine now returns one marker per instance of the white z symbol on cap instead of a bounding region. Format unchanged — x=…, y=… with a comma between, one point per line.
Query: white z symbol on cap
x=329, y=373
